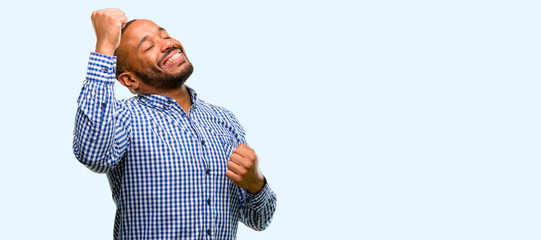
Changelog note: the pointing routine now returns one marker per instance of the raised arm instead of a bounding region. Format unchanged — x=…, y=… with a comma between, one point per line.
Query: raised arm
x=101, y=132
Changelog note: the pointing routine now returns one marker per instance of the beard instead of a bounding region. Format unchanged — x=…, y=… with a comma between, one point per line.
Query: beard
x=164, y=80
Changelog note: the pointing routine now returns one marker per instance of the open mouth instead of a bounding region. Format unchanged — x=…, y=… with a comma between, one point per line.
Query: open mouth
x=173, y=58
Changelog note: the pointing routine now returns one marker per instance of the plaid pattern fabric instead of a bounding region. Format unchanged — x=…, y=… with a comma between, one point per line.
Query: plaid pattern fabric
x=166, y=168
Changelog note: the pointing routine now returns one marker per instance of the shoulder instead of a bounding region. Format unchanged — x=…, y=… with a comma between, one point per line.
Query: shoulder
x=126, y=108
x=212, y=108
x=208, y=107
x=219, y=116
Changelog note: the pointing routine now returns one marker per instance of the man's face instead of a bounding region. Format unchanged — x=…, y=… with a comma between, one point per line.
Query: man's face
x=153, y=56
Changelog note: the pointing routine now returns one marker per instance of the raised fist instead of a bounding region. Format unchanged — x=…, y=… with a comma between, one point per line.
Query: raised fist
x=108, y=24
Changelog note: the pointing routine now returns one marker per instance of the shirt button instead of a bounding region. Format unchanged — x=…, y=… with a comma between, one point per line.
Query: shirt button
x=202, y=142
x=208, y=201
x=207, y=171
x=164, y=107
x=105, y=69
x=209, y=232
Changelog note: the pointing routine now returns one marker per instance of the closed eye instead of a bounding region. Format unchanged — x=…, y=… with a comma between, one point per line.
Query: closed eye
x=151, y=46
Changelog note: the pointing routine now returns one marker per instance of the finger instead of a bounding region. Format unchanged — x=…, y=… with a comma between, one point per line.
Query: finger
x=120, y=18
x=117, y=13
x=237, y=169
x=124, y=21
x=238, y=159
x=245, y=151
x=241, y=147
x=247, y=161
x=108, y=11
x=111, y=10
x=231, y=175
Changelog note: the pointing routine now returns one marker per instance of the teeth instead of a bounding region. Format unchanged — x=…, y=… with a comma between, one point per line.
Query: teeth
x=173, y=58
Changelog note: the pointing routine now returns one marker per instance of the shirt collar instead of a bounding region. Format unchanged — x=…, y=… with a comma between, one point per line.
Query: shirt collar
x=164, y=102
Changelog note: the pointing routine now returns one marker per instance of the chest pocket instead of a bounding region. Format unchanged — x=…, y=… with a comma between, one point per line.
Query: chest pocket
x=221, y=142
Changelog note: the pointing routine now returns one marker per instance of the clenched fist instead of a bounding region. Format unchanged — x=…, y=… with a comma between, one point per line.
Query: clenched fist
x=243, y=169
x=108, y=24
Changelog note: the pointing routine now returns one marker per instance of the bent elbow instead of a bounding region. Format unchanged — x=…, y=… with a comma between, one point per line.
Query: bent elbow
x=95, y=164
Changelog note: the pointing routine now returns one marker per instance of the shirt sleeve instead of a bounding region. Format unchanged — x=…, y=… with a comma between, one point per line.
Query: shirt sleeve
x=259, y=208
x=100, y=138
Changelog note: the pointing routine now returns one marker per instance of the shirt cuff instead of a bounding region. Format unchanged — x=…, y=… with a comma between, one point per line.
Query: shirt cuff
x=102, y=68
x=258, y=200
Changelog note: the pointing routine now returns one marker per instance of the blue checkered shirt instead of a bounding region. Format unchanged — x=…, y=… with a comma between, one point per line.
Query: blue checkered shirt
x=166, y=168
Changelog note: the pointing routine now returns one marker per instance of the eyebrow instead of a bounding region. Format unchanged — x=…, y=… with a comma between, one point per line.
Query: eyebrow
x=160, y=29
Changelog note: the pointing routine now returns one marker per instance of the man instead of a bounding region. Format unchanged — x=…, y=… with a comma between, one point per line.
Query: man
x=178, y=167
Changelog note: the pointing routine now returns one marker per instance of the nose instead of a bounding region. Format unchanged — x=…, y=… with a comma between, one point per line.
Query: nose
x=166, y=45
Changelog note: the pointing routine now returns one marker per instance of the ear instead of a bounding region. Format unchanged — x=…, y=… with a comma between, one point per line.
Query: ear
x=129, y=80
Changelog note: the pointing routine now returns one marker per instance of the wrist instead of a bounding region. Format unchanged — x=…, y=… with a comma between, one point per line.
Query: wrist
x=105, y=50
x=257, y=186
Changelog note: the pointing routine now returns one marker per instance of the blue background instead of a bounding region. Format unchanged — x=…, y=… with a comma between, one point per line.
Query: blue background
x=372, y=119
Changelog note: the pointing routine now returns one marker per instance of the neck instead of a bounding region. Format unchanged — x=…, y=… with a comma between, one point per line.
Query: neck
x=181, y=95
